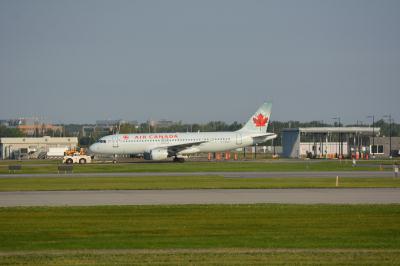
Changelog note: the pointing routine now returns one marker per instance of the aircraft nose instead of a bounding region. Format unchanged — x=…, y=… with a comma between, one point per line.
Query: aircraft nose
x=94, y=148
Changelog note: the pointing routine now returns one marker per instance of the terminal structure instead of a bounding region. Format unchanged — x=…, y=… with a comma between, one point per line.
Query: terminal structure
x=328, y=142
x=29, y=148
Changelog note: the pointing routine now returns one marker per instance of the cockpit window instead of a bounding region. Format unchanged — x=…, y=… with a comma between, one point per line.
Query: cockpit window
x=102, y=141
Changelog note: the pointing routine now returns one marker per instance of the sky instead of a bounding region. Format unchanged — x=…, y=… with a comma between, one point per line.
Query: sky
x=198, y=61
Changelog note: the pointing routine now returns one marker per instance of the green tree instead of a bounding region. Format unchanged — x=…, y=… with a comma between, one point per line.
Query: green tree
x=86, y=141
x=10, y=132
x=127, y=128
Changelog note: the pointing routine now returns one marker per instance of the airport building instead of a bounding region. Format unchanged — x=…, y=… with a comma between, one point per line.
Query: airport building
x=381, y=146
x=327, y=142
x=39, y=130
x=17, y=148
x=103, y=127
x=32, y=127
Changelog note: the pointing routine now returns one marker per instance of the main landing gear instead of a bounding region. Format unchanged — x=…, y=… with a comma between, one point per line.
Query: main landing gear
x=179, y=160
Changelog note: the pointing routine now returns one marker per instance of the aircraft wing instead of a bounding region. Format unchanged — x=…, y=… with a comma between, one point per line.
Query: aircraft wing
x=174, y=149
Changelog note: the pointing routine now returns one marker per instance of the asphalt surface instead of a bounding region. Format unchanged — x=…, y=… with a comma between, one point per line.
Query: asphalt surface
x=205, y=196
x=224, y=174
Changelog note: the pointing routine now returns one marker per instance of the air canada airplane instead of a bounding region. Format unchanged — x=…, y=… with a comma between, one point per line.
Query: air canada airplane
x=161, y=146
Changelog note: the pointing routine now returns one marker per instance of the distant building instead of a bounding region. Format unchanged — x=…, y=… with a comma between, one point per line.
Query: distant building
x=109, y=123
x=88, y=130
x=12, y=122
x=164, y=123
x=380, y=146
x=30, y=126
x=107, y=126
x=326, y=142
x=14, y=148
x=38, y=130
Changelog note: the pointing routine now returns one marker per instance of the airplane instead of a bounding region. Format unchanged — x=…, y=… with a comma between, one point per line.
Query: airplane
x=161, y=146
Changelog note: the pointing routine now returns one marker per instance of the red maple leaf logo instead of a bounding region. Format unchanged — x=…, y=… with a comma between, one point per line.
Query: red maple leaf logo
x=125, y=137
x=260, y=120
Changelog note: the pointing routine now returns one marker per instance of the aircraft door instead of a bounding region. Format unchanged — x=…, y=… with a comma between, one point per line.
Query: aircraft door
x=115, y=141
x=238, y=139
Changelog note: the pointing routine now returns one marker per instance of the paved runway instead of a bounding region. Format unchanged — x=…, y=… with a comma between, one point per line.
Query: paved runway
x=205, y=196
x=224, y=174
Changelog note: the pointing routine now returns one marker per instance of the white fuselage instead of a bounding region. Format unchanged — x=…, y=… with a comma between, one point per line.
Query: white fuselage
x=197, y=142
x=160, y=146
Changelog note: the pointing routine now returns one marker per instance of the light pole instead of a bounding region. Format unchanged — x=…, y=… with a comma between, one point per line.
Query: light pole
x=359, y=144
x=321, y=137
x=373, y=134
x=390, y=134
x=340, y=136
x=273, y=131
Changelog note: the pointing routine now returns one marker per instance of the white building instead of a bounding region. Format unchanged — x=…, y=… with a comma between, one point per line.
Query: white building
x=14, y=148
x=326, y=142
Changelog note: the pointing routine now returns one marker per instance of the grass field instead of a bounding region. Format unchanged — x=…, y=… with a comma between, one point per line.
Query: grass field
x=201, y=234
x=256, y=234
x=344, y=165
x=209, y=257
x=186, y=182
x=28, y=162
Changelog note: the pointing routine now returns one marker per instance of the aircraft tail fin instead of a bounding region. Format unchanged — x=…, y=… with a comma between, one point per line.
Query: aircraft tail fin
x=259, y=121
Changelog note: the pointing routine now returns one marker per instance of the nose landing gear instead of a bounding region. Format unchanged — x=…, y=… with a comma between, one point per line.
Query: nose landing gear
x=179, y=160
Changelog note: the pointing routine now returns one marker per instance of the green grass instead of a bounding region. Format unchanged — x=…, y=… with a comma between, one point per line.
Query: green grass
x=200, y=226
x=186, y=182
x=219, y=257
x=206, y=167
x=28, y=162
x=201, y=234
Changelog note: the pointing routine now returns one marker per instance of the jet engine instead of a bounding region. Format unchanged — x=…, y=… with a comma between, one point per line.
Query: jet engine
x=156, y=154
